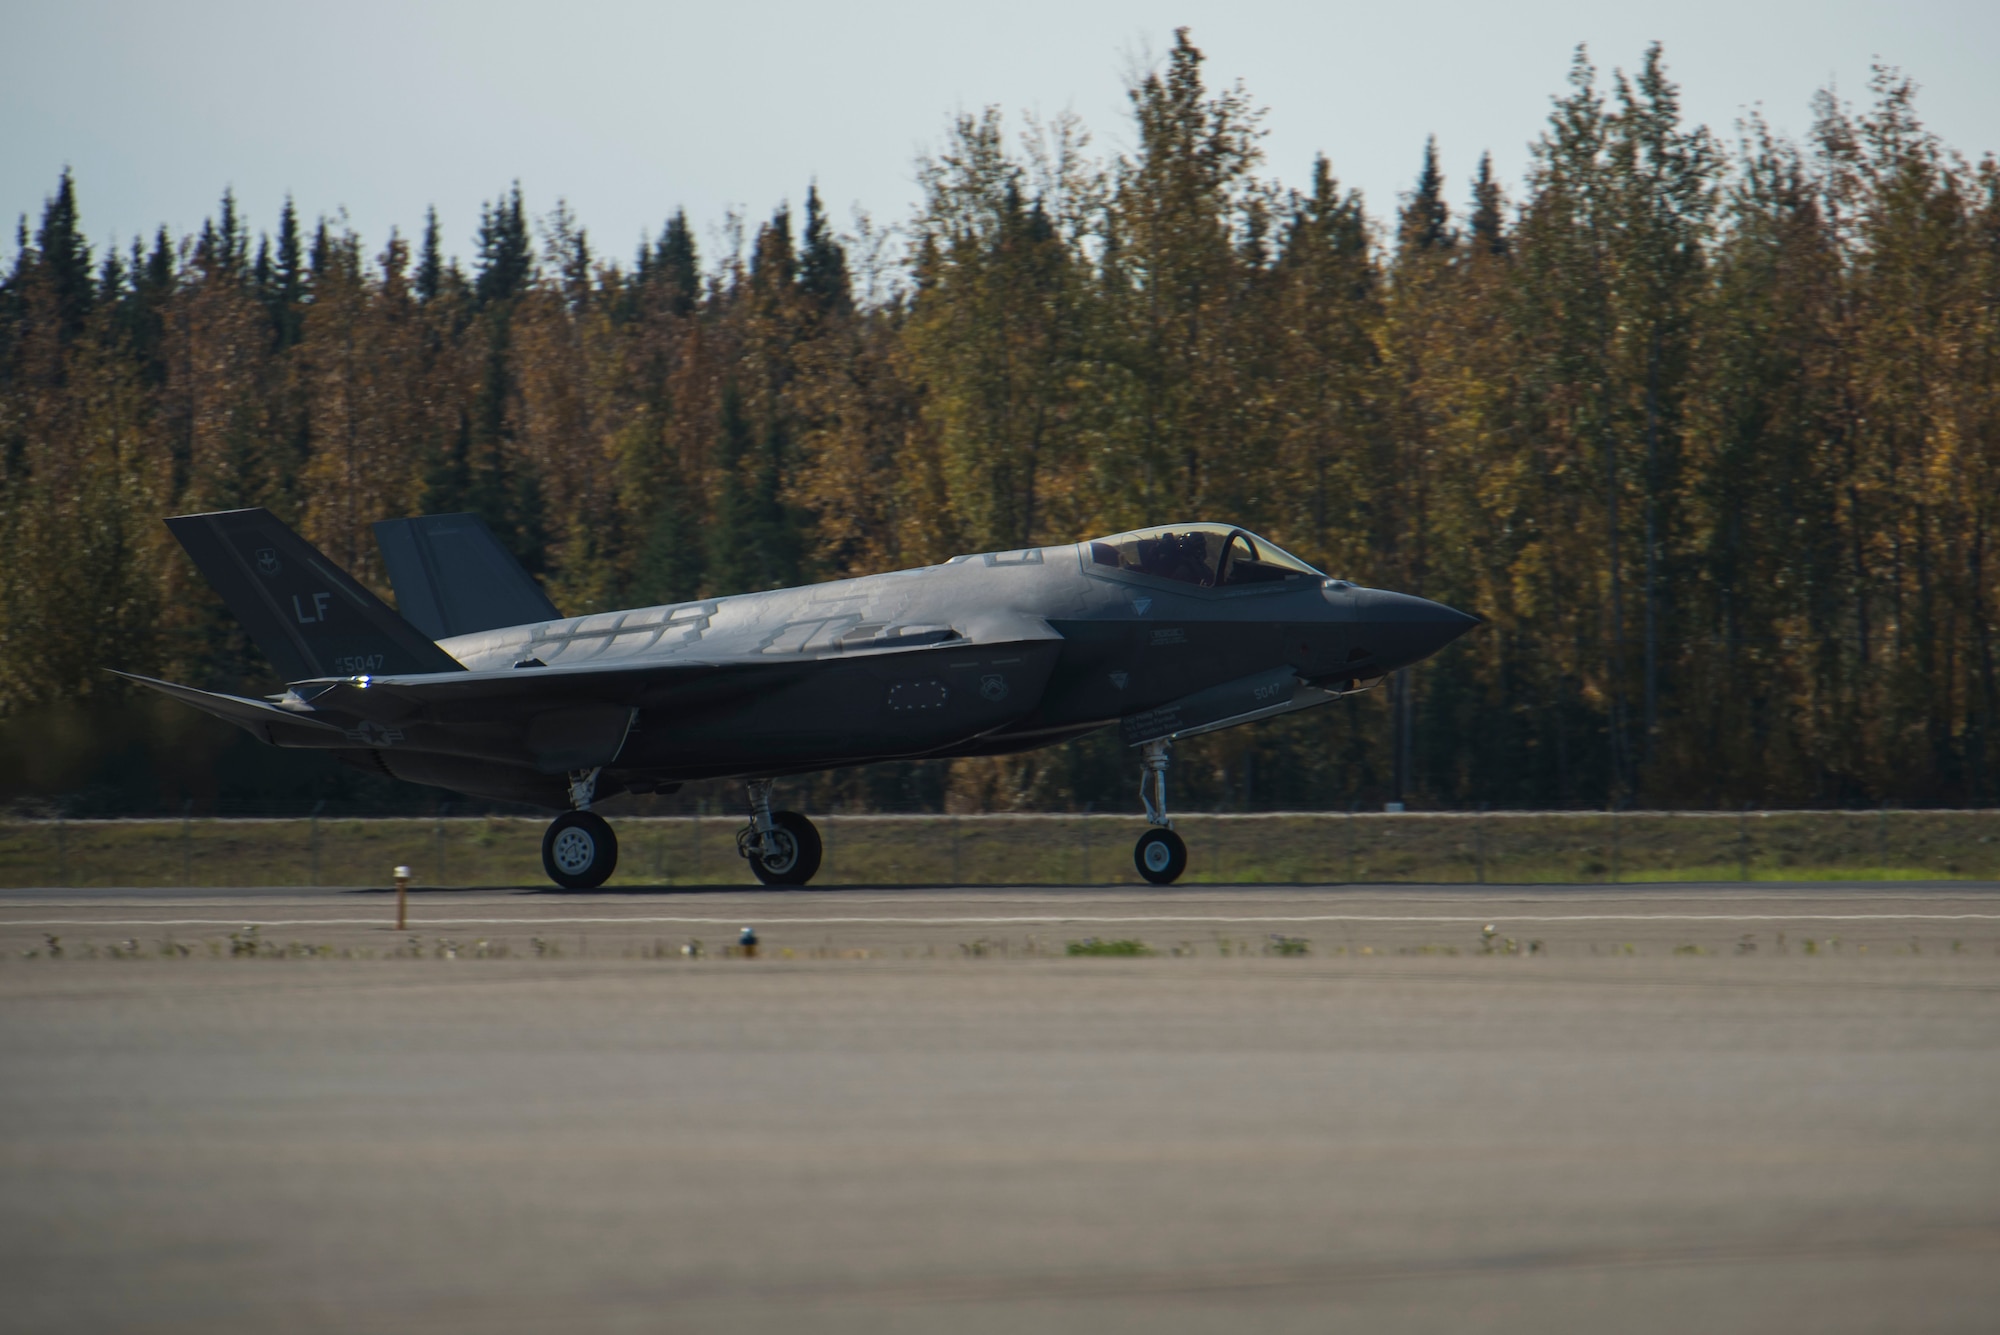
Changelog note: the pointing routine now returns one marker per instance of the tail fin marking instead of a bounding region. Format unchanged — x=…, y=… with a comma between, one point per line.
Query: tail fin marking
x=308, y=615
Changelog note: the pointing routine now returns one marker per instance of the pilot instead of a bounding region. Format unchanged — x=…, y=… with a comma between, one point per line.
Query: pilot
x=1184, y=557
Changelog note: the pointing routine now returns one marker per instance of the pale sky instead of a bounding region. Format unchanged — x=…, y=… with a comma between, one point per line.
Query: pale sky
x=630, y=110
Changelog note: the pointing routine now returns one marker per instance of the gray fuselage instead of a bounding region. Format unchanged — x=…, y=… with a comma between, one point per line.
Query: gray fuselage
x=983, y=654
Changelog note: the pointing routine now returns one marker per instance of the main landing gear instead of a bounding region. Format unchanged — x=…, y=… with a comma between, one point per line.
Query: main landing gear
x=579, y=851
x=1160, y=855
x=782, y=847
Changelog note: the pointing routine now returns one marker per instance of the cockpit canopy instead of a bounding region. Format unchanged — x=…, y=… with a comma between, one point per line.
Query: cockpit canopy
x=1206, y=555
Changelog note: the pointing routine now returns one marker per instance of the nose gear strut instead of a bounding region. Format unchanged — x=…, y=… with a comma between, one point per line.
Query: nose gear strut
x=1154, y=756
x=1161, y=854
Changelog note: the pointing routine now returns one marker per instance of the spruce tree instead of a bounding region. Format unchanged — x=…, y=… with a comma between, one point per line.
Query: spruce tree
x=224, y=244
x=568, y=253
x=676, y=264
x=506, y=255
x=113, y=276
x=448, y=471
x=284, y=287
x=65, y=258
x=153, y=282
x=670, y=562
x=1426, y=218
x=1489, y=223
x=823, y=261
x=430, y=263
x=731, y=530
x=773, y=263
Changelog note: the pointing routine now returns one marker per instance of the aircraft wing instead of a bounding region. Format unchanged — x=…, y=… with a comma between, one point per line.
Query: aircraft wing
x=565, y=718
x=448, y=696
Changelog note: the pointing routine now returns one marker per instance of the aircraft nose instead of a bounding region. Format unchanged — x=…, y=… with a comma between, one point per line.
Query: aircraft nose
x=1400, y=628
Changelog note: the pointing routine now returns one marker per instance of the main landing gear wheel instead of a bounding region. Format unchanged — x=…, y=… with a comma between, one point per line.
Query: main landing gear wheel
x=1160, y=856
x=793, y=853
x=579, y=852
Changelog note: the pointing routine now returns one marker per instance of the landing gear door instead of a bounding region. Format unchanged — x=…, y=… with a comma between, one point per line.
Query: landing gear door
x=580, y=738
x=1261, y=696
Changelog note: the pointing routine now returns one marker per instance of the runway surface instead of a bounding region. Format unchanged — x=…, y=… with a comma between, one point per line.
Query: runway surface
x=1635, y=1108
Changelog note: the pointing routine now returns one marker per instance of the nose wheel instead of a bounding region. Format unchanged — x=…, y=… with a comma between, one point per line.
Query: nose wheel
x=782, y=847
x=1160, y=855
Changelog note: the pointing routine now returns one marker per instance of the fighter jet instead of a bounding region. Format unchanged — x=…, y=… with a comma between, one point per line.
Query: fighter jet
x=479, y=685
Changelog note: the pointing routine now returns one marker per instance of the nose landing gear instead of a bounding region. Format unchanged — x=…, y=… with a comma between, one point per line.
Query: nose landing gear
x=579, y=851
x=782, y=847
x=1160, y=855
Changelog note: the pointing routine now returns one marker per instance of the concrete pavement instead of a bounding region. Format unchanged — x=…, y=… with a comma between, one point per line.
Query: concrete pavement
x=1748, y=1108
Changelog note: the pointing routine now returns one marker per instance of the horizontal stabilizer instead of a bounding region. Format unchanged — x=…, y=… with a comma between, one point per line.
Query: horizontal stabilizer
x=257, y=717
x=308, y=615
x=452, y=577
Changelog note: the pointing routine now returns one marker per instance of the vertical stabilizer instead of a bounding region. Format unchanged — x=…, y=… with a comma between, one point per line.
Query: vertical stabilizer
x=452, y=576
x=308, y=615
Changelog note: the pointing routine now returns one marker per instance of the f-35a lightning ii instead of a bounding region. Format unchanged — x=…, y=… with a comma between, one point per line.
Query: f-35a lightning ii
x=481, y=686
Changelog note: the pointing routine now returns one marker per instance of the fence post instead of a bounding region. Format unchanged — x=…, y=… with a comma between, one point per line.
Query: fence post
x=318, y=807
x=1614, y=844
x=187, y=834
x=437, y=839
x=1350, y=840
x=1479, y=840
x=1743, y=843
x=1086, y=841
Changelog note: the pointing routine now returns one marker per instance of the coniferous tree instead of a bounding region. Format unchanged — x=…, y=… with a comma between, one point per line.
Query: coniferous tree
x=506, y=253
x=507, y=496
x=773, y=261
x=430, y=262
x=142, y=320
x=1425, y=224
x=675, y=263
x=223, y=247
x=1489, y=222
x=569, y=254
x=823, y=262
x=285, y=294
x=732, y=530
x=64, y=255
x=672, y=558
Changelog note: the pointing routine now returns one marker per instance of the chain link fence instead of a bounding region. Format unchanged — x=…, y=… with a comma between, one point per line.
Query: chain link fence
x=1050, y=849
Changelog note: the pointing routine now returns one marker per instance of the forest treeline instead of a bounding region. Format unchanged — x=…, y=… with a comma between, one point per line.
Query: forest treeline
x=1709, y=433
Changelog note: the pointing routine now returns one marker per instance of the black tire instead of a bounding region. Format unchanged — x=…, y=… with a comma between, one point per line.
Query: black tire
x=799, y=852
x=579, y=851
x=1160, y=856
